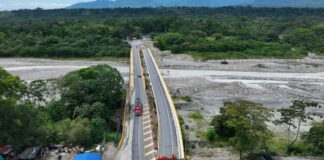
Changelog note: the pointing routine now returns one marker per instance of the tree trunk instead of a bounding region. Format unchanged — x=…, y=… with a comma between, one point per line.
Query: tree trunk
x=288, y=140
x=297, y=135
x=241, y=154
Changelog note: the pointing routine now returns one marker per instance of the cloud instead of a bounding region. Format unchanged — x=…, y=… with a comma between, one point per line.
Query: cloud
x=32, y=4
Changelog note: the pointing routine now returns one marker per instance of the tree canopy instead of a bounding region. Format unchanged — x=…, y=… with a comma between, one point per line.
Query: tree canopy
x=244, y=124
x=85, y=114
x=205, y=33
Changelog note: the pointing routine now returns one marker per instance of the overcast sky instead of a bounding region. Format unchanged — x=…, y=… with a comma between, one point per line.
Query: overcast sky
x=31, y=4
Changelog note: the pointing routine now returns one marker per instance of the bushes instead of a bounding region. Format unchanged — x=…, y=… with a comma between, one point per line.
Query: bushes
x=196, y=115
x=314, y=138
x=211, y=135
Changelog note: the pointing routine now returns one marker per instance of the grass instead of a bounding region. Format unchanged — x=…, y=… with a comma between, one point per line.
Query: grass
x=110, y=136
x=215, y=141
x=196, y=115
x=184, y=98
x=277, y=146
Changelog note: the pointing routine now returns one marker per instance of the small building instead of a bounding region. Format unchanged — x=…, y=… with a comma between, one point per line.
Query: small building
x=88, y=156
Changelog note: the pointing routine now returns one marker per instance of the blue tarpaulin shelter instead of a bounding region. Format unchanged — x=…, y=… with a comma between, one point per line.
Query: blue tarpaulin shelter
x=88, y=156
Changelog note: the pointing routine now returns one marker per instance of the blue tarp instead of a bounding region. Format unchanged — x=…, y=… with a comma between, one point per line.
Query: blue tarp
x=88, y=156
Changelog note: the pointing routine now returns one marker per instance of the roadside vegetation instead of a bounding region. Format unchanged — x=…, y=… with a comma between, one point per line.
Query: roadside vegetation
x=184, y=98
x=85, y=113
x=204, y=33
x=244, y=125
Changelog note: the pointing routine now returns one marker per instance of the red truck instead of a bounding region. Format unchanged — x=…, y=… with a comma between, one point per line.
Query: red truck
x=138, y=107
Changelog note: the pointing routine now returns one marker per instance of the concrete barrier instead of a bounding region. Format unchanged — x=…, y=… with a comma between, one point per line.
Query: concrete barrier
x=130, y=89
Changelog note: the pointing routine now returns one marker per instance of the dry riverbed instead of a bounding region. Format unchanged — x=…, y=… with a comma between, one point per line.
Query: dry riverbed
x=30, y=69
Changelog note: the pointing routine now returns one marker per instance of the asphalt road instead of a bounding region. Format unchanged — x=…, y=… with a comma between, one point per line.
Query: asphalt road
x=142, y=143
x=168, y=145
x=138, y=146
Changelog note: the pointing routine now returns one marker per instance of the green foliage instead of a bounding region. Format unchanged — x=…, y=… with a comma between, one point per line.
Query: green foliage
x=11, y=87
x=76, y=131
x=185, y=98
x=196, y=115
x=21, y=124
x=211, y=135
x=89, y=100
x=92, y=92
x=248, y=120
x=220, y=126
x=84, y=115
x=314, y=138
x=205, y=33
x=295, y=113
x=98, y=129
x=43, y=37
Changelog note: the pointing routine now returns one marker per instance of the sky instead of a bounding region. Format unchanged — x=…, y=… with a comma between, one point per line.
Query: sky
x=32, y=4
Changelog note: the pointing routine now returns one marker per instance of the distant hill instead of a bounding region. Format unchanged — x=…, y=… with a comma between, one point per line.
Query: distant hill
x=198, y=3
x=158, y=3
x=290, y=3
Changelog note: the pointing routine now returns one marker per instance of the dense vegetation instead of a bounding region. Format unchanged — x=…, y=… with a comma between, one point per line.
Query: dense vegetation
x=244, y=125
x=197, y=3
x=205, y=33
x=84, y=115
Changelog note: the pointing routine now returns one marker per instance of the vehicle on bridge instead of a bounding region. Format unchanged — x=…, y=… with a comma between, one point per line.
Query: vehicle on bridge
x=138, y=107
x=174, y=157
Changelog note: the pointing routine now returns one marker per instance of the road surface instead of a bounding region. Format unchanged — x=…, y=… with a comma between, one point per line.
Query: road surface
x=168, y=139
x=142, y=145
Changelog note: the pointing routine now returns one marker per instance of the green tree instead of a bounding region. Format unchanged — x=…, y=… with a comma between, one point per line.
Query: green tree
x=11, y=87
x=315, y=138
x=79, y=131
x=301, y=37
x=98, y=129
x=76, y=131
x=293, y=116
x=92, y=92
x=21, y=123
x=248, y=120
